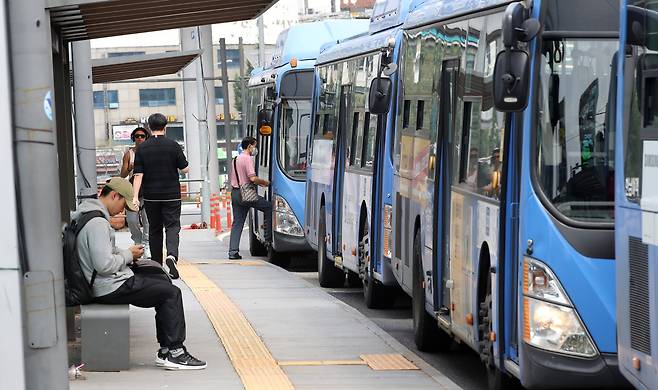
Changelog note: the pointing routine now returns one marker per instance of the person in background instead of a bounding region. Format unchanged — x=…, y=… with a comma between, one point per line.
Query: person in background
x=158, y=163
x=115, y=283
x=242, y=172
x=138, y=231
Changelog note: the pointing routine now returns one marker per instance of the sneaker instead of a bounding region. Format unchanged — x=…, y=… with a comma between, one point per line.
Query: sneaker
x=161, y=356
x=235, y=257
x=184, y=361
x=170, y=266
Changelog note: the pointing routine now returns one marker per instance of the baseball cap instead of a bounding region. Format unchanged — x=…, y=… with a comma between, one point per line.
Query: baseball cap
x=125, y=189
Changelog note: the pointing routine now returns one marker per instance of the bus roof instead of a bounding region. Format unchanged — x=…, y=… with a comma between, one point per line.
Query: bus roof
x=303, y=41
x=435, y=10
x=387, y=17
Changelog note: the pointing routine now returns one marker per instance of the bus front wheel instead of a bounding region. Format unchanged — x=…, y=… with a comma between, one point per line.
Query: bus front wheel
x=376, y=295
x=497, y=380
x=328, y=274
x=256, y=248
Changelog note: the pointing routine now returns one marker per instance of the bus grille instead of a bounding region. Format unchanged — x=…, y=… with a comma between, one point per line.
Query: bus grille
x=639, y=295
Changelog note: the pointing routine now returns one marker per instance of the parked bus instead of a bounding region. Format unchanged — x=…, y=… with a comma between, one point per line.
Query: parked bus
x=279, y=117
x=348, y=209
x=636, y=201
x=503, y=194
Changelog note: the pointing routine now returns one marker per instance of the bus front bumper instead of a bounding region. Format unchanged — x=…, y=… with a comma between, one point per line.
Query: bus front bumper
x=290, y=244
x=549, y=370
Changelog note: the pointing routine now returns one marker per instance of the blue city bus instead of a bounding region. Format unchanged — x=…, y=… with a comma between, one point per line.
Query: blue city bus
x=279, y=117
x=503, y=185
x=348, y=209
x=636, y=202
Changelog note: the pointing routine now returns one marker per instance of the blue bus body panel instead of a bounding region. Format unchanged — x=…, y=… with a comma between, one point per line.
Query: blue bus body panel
x=304, y=41
x=436, y=10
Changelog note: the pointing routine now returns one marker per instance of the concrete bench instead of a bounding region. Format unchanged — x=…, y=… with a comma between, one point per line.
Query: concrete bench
x=105, y=334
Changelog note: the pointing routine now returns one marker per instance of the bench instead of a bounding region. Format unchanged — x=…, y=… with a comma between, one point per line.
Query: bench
x=105, y=334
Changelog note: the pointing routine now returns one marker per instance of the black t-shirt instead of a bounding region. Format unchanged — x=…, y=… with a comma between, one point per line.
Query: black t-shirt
x=159, y=159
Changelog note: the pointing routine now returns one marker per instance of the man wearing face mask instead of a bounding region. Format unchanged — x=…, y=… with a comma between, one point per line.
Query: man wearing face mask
x=242, y=173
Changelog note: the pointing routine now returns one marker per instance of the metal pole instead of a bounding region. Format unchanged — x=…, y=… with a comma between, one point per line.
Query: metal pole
x=227, y=111
x=85, y=135
x=243, y=84
x=189, y=42
x=35, y=141
x=208, y=64
x=261, y=41
x=202, y=123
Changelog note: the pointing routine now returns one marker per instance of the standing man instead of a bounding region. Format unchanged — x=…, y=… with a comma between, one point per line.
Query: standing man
x=138, y=232
x=242, y=172
x=158, y=162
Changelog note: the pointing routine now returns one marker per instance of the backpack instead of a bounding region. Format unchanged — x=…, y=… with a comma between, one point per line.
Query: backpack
x=76, y=288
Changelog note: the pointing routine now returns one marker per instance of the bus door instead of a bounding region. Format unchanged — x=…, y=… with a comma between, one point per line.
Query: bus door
x=263, y=161
x=339, y=170
x=447, y=116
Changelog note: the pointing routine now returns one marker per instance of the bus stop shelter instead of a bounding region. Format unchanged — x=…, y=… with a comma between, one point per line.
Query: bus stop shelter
x=40, y=33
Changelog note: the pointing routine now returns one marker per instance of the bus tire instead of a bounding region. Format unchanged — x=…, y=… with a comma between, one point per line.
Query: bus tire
x=375, y=294
x=496, y=379
x=256, y=248
x=427, y=335
x=328, y=274
x=278, y=258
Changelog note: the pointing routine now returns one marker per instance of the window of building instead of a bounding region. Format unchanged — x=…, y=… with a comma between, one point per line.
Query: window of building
x=219, y=95
x=112, y=98
x=156, y=97
x=232, y=58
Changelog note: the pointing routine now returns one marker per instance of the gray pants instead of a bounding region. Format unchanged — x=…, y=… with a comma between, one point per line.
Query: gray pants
x=240, y=214
x=139, y=234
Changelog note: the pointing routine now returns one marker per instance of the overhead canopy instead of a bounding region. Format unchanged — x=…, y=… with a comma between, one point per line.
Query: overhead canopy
x=105, y=70
x=89, y=19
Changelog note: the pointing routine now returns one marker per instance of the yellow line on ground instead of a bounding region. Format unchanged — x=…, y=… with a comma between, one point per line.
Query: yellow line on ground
x=249, y=355
x=322, y=363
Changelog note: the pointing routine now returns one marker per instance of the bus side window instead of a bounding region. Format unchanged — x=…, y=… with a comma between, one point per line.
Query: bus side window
x=354, y=142
x=420, y=115
x=406, y=114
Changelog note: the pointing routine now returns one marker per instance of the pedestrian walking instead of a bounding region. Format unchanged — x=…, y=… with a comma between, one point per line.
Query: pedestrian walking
x=244, y=179
x=158, y=164
x=138, y=223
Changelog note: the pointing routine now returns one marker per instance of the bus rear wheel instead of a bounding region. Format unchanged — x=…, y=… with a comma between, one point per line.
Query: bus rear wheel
x=375, y=294
x=427, y=335
x=256, y=248
x=328, y=274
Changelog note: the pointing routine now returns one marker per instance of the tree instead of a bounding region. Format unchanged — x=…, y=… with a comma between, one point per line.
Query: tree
x=239, y=87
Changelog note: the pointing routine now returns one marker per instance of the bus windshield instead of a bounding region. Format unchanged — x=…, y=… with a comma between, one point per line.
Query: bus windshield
x=575, y=127
x=293, y=137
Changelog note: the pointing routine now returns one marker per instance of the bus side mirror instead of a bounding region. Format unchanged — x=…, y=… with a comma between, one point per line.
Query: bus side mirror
x=511, y=75
x=379, y=98
x=265, y=121
x=512, y=72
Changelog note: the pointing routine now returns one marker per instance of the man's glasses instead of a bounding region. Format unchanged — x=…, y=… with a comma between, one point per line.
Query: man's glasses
x=140, y=135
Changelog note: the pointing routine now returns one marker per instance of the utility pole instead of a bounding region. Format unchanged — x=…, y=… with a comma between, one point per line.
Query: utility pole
x=208, y=65
x=243, y=84
x=261, y=42
x=227, y=110
x=202, y=123
x=85, y=134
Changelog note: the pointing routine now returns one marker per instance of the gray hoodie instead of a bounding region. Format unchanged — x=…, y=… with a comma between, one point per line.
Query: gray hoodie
x=97, y=251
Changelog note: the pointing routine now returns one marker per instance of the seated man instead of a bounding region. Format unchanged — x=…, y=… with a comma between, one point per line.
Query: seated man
x=115, y=282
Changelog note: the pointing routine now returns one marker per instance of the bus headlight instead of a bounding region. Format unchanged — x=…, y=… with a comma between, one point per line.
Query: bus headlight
x=388, y=236
x=284, y=219
x=549, y=319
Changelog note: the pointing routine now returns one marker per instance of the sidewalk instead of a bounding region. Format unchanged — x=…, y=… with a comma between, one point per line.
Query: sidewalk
x=280, y=331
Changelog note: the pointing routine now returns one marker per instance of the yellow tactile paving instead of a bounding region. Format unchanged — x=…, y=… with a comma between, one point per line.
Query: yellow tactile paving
x=246, y=263
x=388, y=362
x=249, y=355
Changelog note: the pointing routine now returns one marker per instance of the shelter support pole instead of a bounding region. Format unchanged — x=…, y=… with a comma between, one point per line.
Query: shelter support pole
x=84, y=119
x=209, y=73
x=188, y=38
x=204, y=132
x=243, y=85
